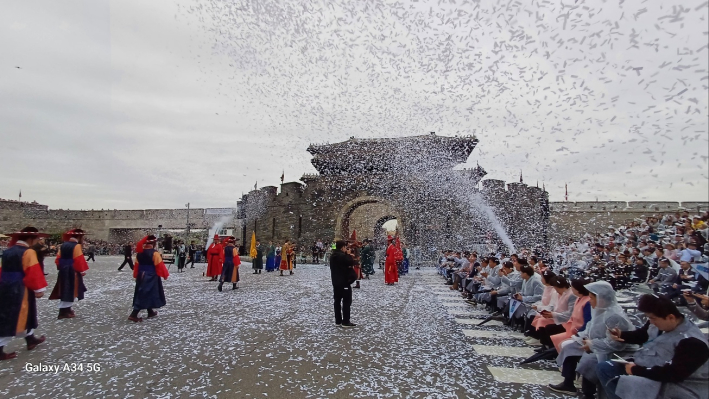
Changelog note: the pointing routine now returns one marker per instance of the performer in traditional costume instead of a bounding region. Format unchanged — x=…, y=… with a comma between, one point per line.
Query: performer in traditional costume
x=21, y=282
x=405, y=262
x=271, y=257
x=393, y=257
x=149, y=293
x=230, y=271
x=279, y=256
x=367, y=258
x=354, y=247
x=257, y=261
x=288, y=254
x=72, y=268
x=215, y=259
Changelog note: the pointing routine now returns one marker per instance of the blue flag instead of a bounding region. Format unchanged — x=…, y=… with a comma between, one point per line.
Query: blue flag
x=514, y=304
x=702, y=269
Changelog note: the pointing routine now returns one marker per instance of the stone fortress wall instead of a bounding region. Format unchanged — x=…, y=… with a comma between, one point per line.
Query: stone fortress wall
x=567, y=220
x=108, y=225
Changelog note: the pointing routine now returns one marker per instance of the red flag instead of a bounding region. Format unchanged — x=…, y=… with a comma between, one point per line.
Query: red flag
x=353, y=237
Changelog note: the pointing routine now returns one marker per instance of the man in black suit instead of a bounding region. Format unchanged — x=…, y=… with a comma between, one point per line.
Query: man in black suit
x=127, y=253
x=341, y=267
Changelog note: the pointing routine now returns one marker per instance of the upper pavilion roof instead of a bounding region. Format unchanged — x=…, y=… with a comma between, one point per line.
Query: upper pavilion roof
x=389, y=154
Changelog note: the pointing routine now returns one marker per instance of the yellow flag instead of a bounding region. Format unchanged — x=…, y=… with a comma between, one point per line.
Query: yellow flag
x=253, y=251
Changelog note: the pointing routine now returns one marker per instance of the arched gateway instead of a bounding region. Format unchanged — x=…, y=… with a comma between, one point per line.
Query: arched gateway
x=366, y=215
x=362, y=183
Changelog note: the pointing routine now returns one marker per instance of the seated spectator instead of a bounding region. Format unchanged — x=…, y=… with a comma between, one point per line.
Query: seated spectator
x=671, y=252
x=530, y=293
x=548, y=301
x=511, y=283
x=699, y=310
x=580, y=316
x=493, y=291
x=594, y=344
x=672, y=363
x=686, y=279
x=665, y=277
x=641, y=271
x=466, y=269
x=690, y=254
x=555, y=317
x=473, y=282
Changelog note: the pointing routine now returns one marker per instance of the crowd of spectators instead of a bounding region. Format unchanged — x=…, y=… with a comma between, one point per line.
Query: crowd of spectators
x=621, y=311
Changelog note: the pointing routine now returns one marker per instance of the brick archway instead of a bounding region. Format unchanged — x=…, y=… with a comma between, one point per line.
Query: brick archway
x=343, y=226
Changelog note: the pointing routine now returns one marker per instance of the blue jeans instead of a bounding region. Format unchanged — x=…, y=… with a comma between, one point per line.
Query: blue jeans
x=608, y=373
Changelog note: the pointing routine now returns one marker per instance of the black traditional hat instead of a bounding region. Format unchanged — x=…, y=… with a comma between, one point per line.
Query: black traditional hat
x=27, y=232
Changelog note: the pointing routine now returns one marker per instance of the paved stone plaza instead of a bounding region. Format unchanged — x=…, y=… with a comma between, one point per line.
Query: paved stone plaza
x=273, y=337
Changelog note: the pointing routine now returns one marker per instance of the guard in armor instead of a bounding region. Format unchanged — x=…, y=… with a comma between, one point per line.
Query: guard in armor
x=72, y=268
x=21, y=282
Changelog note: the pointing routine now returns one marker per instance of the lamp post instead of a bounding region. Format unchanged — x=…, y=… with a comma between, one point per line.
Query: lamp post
x=188, y=222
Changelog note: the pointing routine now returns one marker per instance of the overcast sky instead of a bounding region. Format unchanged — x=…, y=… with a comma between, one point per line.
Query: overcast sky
x=152, y=104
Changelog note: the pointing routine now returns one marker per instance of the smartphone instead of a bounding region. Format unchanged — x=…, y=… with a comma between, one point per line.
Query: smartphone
x=619, y=359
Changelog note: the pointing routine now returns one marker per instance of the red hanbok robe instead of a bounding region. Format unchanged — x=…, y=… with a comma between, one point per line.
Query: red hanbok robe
x=391, y=272
x=288, y=254
x=215, y=259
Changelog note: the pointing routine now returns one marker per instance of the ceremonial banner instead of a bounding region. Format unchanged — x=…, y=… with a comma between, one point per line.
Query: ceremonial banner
x=252, y=252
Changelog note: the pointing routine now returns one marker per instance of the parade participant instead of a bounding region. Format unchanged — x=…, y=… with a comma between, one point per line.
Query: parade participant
x=367, y=259
x=149, y=269
x=192, y=252
x=315, y=251
x=91, y=253
x=271, y=257
x=287, y=253
x=42, y=251
x=393, y=256
x=230, y=271
x=72, y=268
x=181, y=256
x=278, y=258
x=127, y=256
x=214, y=259
x=21, y=282
x=354, y=250
x=405, y=262
x=257, y=261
